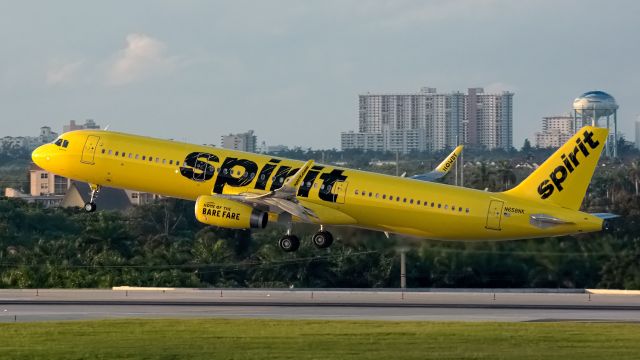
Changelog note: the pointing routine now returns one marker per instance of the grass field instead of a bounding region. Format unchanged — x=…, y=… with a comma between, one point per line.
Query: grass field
x=274, y=339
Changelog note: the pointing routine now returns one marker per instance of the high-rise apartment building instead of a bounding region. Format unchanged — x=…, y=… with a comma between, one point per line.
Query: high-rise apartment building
x=431, y=121
x=556, y=130
x=243, y=142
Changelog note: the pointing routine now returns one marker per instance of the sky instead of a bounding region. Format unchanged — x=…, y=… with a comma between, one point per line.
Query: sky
x=292, y=70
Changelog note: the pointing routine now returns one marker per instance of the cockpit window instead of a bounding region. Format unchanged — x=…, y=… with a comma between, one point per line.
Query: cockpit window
x=58, y=142
x=65, y=143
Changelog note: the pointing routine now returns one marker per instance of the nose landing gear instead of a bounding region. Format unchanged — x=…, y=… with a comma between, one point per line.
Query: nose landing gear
x=91, y=205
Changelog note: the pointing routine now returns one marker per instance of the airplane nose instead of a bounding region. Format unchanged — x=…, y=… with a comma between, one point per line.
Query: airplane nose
x=39, y=156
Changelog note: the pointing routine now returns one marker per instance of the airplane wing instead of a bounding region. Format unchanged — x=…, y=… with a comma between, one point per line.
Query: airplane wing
x=442, y=169
x=282, y=199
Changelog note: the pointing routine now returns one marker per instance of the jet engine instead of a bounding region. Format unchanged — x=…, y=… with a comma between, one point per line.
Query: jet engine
x=212, y=210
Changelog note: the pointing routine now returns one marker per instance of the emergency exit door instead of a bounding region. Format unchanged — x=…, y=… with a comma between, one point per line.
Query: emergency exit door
x=89, y=150
x=494, y=215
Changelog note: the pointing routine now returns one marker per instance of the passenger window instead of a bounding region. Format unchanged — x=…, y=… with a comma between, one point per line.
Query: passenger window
x=439, y=206
x=103, y=151
x=446, y=207
x=370, y=193
x=426, y=203
x=377, y=195
x=178, y=163
x=356, y=192
x=137, y=156
x=432, y=204
x=130, y=155
x=404, y=200
x=109, y=152
x=397, y=198
x=144, y=157
x=151, y=158
x=124, y=154
x=418, y=202
x=460, y=209
x=364, y=193
x=411, y=201
x=157, y=160
x=467, y=210
x=384, y=196
x=164, y=161
x=116, y=153
x=170, y=162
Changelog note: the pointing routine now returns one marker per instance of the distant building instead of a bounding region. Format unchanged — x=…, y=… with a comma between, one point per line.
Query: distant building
x=109, y=198
x=243, y=142
x=141, y=198
x=428, y=120
x=556, y=130
x=52, y=190
x=271, y=149
x=46, y=183
x=362, y=140
x=28, y=142
x=88, y=124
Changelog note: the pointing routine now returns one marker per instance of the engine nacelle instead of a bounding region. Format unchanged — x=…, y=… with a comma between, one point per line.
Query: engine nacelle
x=212, y=210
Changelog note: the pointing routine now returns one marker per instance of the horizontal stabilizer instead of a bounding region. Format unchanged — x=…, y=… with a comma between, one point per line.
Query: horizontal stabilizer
x=605, y=216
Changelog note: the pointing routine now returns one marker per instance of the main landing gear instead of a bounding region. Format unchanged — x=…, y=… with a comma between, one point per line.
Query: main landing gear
x=322, y=240
x=91, y=205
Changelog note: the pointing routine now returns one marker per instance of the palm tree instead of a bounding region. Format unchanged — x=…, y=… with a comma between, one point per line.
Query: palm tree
x=634, y=174
x=482, y=177
x=505, y=174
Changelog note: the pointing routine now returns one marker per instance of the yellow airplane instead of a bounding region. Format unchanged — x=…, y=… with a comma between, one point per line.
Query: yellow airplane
x=241, y=190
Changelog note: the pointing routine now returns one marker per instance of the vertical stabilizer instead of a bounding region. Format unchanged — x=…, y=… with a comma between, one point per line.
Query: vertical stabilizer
x=564, y=177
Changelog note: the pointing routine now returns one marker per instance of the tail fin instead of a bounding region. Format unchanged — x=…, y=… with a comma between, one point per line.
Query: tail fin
x=564, y=177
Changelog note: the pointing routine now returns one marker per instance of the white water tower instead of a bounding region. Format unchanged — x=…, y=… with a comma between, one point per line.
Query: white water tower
x=597, y=108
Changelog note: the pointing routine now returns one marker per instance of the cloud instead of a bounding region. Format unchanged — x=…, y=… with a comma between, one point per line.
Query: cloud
x=63, y=73
x=498, y=87
x=143, y=56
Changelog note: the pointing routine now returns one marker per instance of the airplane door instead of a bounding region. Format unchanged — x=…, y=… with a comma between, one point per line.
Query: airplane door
x=89, y=150
x=340, y=190
x=494, y=215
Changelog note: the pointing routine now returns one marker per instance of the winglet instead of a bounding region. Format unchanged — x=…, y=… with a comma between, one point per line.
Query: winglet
x=295, y=180
x=442, y=169
x=448, y=162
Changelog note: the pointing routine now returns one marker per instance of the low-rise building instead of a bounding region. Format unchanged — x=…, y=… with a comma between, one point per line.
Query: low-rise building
x=88, y=124
x=556, y=130
x=243, y=142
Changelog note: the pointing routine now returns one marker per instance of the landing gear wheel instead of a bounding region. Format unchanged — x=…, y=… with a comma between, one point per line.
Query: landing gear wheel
x=322, y=239
x=90, y=207
x=289, y=243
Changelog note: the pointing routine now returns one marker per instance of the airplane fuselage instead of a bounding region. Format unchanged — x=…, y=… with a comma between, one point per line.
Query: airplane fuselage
x=339, y=196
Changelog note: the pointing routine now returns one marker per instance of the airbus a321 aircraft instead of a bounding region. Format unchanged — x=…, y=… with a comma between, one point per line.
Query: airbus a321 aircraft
x=241, y=190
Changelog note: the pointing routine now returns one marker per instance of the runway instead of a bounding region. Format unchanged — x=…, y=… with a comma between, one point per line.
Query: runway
x=432, y=305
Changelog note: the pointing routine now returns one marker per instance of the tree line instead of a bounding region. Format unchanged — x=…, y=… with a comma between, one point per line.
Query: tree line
x=161, y=244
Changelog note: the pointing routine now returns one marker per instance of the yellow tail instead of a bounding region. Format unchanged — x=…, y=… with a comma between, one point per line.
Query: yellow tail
x=564, y=177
